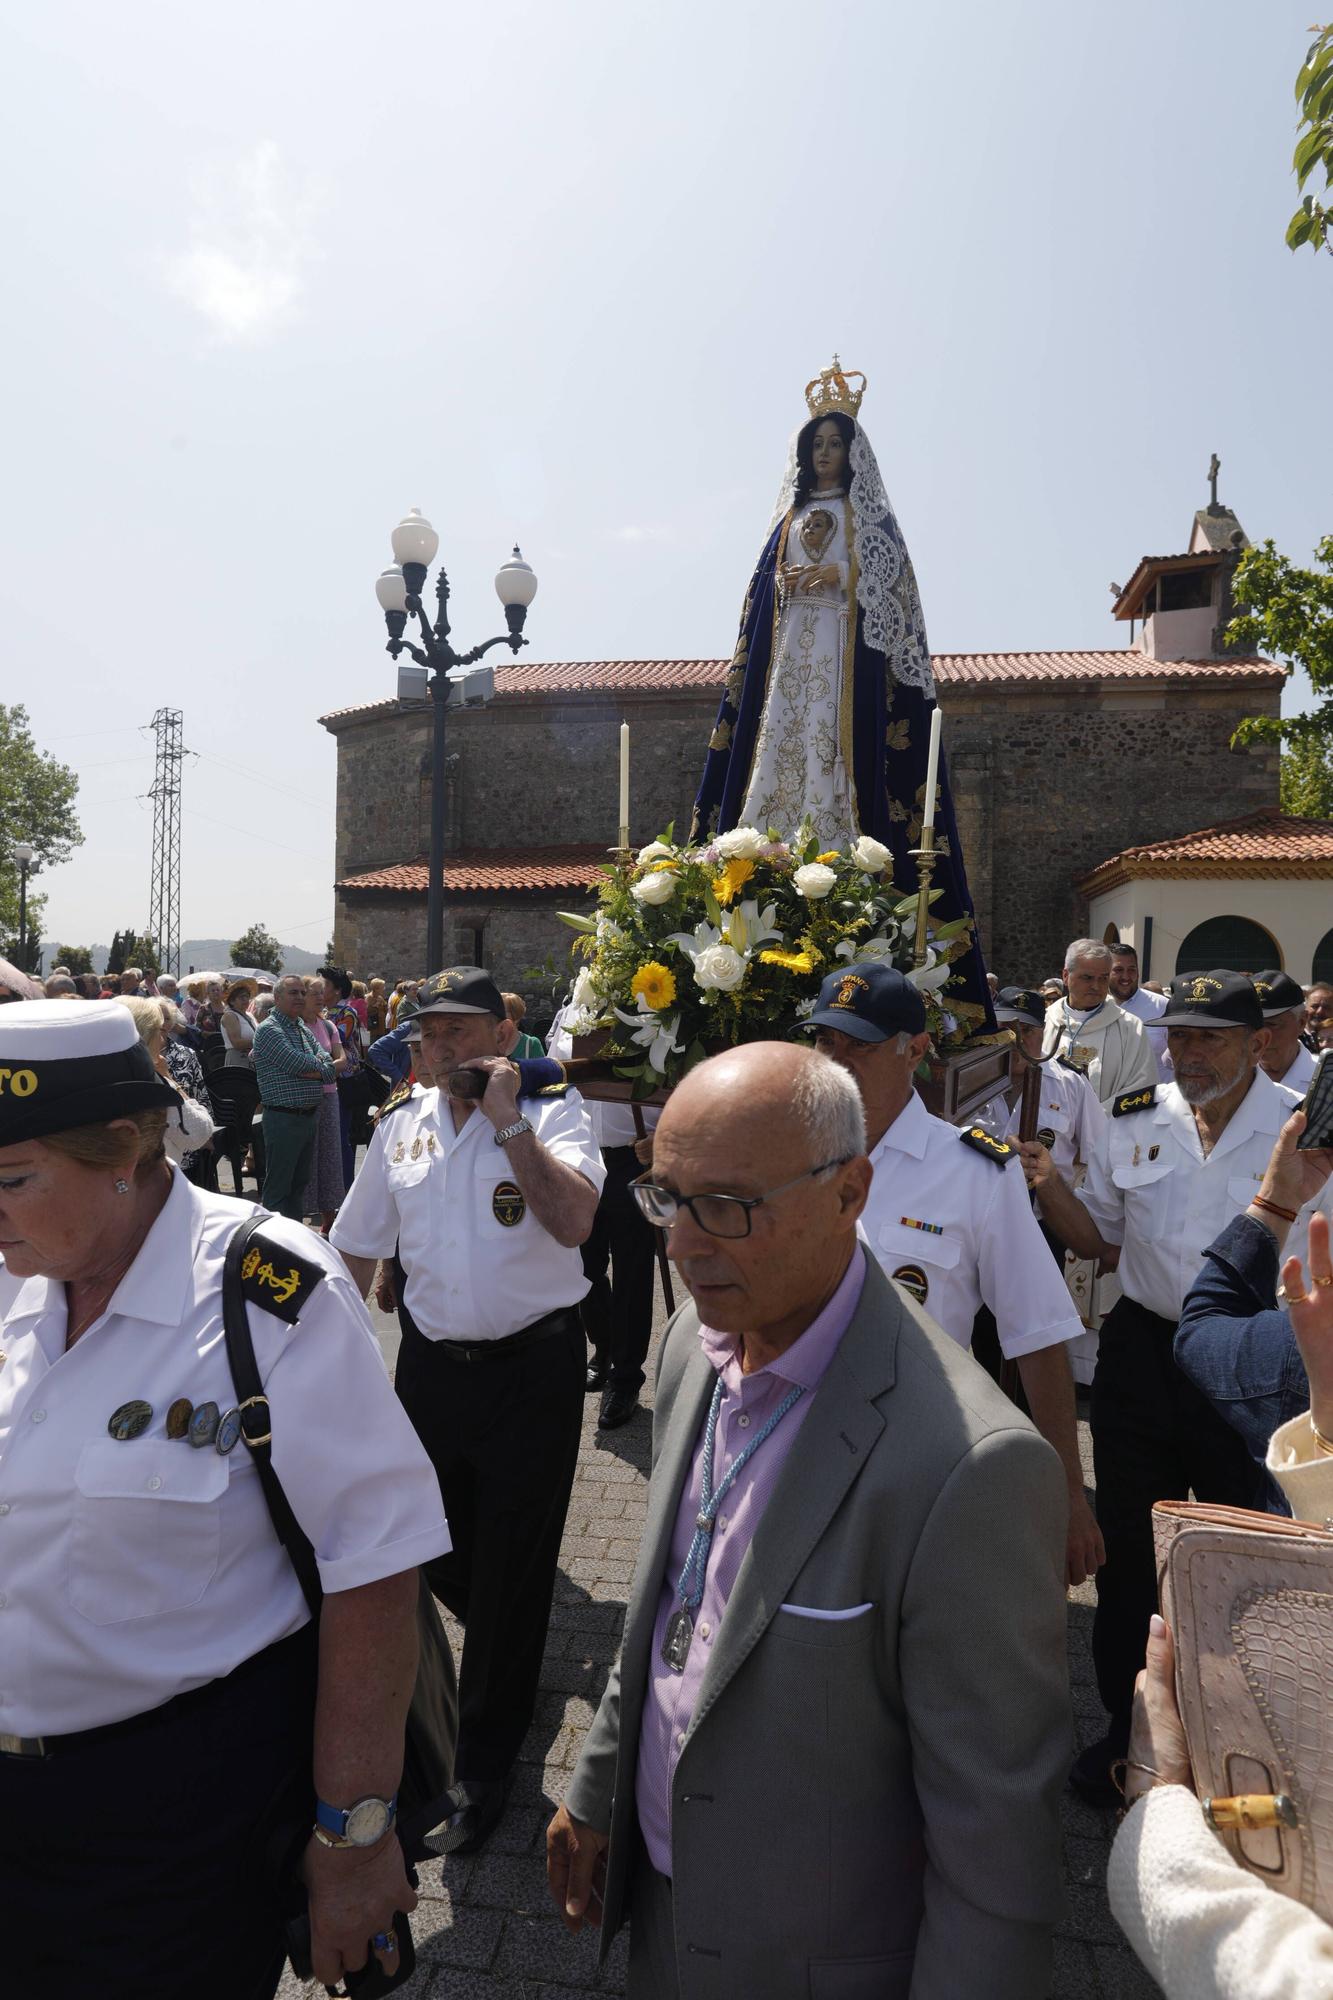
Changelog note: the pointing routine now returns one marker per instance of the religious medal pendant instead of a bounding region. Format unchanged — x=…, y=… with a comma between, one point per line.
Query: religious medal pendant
x=676, y=1643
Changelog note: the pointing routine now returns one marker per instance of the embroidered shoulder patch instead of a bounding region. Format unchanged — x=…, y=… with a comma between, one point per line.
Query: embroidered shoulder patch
x=998, y=1151
x=1134, y=1100
x=277, y=1279
x=397, y=1098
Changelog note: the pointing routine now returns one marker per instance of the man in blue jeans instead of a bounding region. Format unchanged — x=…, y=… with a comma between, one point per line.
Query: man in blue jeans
x=292, y=1070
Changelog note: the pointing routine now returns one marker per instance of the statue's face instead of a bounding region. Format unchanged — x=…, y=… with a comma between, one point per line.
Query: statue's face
x=828, y=454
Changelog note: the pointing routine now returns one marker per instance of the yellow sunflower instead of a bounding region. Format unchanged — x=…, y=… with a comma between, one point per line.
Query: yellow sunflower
x=656, y=983
x=732, y=879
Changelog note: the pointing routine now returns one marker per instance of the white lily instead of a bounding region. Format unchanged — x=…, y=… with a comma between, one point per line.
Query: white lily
x=879, y=948
x=748, y=926
x=653, y=1034
x=697, y=940
x=929, y=978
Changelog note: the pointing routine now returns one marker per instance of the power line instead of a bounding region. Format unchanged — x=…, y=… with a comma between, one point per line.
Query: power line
x=165, y=892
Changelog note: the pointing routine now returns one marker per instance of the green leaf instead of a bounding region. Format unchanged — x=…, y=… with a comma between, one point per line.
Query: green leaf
x=713, y=907
x=1299, y=229
x=695, y=1053
x=1309, y=151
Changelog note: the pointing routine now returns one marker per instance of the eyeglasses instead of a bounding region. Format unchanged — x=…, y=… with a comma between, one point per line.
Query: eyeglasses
x=716, y=1214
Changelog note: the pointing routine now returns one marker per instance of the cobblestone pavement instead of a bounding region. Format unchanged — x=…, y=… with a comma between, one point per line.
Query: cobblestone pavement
x=485, y=1927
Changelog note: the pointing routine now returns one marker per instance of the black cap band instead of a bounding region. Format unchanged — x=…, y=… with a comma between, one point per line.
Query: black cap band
x=44, y=1096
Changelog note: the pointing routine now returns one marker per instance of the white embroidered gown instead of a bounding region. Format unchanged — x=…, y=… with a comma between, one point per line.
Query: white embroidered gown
x=800, y=769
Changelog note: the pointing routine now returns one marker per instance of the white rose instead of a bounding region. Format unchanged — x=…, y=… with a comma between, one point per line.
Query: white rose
x=814, y=880
x=656, y=850
x=655, y=889
x=871, y=855
x=719, y=967
x=743, y=843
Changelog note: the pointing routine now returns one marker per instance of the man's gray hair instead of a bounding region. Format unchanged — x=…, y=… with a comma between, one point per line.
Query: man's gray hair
x=827, y=1105
x=1088, y=948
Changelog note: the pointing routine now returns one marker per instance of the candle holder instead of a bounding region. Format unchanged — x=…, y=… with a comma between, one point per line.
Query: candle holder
x=924, y=857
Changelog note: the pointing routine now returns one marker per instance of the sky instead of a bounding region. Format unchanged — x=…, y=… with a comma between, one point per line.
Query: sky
x=558, y=273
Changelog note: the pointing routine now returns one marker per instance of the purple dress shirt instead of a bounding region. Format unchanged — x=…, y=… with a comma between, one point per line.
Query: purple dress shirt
x=747, y=1403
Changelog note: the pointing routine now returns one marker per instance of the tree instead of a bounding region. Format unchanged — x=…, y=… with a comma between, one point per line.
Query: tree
x=1287, y=613
x=258, y=947
x=1314, y=147
x=76, y=956
x=38, y=805
x=1306, y=782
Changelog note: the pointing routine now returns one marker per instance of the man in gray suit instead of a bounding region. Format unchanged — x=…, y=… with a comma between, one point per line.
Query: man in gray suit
x=829, y=1760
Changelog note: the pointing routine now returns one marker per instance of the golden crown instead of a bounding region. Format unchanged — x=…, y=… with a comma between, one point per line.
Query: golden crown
x=832, y=390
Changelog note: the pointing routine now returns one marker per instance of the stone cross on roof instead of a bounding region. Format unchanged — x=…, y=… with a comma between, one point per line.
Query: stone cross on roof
x=1214, y=467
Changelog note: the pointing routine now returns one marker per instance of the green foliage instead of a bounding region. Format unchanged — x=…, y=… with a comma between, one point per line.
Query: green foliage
x=259, y=948
x=1312, y=221
x=77, y=957
x=37, y=804
x=1287, y=613
x=134, y=948
x=1307, y=780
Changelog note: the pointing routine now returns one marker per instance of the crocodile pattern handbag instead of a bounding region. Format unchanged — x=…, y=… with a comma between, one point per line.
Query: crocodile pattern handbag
x=1249, y=1599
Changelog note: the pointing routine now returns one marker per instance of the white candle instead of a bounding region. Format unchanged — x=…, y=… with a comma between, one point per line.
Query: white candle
x=932, y=770
x=624, y=781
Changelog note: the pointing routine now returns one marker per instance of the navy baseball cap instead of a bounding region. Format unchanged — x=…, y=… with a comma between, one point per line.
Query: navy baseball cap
x=1218, y=999
x=869, y=1002
x=1278, y=993
x=1020, y=1003
x=463, y=989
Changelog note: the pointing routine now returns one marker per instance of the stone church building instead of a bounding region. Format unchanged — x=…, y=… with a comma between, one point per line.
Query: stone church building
x=1060, y=762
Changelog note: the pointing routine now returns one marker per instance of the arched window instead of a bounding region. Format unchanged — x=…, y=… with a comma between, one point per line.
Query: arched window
x=1234, y=942
x=1322, y=969
x=1111, y=935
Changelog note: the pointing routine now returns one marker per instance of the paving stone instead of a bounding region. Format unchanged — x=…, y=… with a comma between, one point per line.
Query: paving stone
x=511, y=1882
x=542, y=1949
x=468, y=1943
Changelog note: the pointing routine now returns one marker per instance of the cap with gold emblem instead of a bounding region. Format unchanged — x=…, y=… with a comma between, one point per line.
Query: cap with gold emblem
x=1020, y=1003
x=869, y=1002
x=1218, y=999
x=63, y=1065
x=463, y=989
x=1278, y=994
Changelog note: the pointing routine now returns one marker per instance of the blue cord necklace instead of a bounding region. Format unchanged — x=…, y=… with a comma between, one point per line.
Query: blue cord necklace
x=690, y=1586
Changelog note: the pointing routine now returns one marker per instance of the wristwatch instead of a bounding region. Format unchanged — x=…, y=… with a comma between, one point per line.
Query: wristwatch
x=358, y=1825
x=508, y=1132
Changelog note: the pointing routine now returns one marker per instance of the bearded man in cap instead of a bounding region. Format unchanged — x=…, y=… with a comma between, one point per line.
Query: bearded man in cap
x=1177, y=1162
x=478, y=1206
x=1286, y=1059
x=948, y=1216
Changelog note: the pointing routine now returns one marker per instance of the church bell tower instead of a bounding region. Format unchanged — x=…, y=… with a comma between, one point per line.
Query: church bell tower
x=1179, y=607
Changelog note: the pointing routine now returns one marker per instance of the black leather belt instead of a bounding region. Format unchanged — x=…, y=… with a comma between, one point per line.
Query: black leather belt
x=550, y=1323
x=294, y=1110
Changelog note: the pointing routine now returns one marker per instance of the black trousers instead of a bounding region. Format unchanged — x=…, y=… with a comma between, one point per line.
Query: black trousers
x=1154, y=1437
x=618, y=1311
x=134, y=1864
x=502, y=1432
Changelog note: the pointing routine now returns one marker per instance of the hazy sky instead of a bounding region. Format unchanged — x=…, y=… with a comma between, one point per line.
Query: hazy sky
x=559, y=272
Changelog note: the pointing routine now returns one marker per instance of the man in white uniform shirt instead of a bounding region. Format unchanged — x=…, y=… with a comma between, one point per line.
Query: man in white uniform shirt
x=482, y=1210
x=1177, y=1163
x=948, y=1216
x=1138, y=1001
x=1286, y=1059
x=1092, y=1032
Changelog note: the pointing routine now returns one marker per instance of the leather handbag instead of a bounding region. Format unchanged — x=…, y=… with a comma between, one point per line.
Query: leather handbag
x=1249, y=1599
x=431, y=1734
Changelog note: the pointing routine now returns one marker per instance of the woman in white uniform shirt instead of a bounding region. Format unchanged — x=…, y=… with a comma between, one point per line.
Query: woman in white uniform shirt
x=158, y=1670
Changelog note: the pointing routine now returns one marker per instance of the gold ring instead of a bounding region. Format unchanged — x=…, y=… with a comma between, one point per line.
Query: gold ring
x=1321, y=1281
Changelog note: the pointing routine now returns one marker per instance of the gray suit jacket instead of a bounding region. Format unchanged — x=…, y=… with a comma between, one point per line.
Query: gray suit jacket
x=863, y=1807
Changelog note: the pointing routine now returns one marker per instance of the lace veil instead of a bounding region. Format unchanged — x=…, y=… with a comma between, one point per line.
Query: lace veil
x=890, y=604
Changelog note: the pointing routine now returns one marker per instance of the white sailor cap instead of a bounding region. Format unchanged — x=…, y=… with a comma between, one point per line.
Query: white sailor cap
x=65, y=1063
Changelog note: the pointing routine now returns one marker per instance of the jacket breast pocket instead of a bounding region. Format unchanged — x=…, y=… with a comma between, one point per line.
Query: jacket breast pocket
x=146, y=1528
x=1145, y=1196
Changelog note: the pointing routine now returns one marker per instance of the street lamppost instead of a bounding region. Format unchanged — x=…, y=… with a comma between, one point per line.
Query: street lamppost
x=23, y=853
x=399, y=591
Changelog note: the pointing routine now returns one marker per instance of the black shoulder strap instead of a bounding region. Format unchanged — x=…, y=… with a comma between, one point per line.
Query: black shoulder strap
x=256, y=1419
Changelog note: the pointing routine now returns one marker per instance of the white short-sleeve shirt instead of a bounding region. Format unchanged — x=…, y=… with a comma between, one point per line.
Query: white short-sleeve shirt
x=133, y=1571
x=1151, y=1188
x=1070, y=1119
x=957, y=1231
x=479, y=1265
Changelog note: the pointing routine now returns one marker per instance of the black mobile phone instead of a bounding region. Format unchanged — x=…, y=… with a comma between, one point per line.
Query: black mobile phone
x=1318, y=1107
x=468, y=1083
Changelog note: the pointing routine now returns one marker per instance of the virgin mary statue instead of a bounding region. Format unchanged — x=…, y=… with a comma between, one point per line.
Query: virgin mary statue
x=826, y=712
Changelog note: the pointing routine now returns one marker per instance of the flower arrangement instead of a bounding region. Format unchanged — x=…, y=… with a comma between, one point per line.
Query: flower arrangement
x=696, y=948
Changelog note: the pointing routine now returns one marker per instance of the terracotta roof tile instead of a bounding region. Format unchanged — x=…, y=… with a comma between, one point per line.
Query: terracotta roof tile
x=490, y=870
x=1265, y=842
x=1125, y=666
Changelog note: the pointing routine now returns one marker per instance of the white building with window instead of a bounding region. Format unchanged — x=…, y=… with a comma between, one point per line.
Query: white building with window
x=1249, y=893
